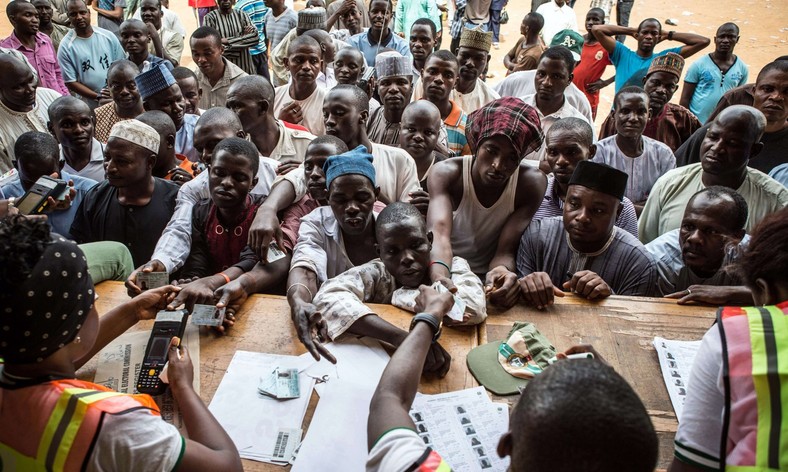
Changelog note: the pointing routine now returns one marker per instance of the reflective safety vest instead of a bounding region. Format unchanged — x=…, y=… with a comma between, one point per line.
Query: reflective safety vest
x=54, y=426
x=755, y=376
x=433, y=463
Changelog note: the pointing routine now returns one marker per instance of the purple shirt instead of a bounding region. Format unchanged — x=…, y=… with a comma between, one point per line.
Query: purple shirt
x=43, y=59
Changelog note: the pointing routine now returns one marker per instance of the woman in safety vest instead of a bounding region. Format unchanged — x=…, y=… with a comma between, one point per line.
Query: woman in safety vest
x=735, y=415
x=49, y=328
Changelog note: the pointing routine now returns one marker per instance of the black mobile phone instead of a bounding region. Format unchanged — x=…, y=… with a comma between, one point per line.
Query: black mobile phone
x=363, y=82
x=34, y=201
x=168, y=324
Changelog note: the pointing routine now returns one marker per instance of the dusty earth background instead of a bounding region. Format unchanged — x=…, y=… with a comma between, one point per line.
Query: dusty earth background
x=763, y=24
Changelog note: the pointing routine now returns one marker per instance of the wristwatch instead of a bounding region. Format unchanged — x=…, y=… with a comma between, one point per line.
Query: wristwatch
x=670, y=35
x=430, y=320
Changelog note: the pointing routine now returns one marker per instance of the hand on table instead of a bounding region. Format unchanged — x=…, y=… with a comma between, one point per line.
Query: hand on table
x=194, y=292
x=588, y=285
x=538, y=290
x=312, y=330
x=501, y=288
x=708, y=294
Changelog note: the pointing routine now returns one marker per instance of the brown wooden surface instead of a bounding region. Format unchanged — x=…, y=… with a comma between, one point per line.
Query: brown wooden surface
x=263, y=325
x=622, y=330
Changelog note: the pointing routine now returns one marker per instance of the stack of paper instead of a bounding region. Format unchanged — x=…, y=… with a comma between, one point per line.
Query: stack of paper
x=263, y=428
x=337, y=435
x=675, y=359
x=464, y=427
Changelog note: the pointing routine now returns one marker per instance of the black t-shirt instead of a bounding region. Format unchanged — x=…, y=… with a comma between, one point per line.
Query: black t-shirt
x=101, y=217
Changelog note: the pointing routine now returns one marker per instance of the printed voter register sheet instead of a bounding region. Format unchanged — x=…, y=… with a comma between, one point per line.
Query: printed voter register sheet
x=675, y=359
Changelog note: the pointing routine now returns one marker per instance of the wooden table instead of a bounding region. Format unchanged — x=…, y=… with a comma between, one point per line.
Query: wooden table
x=263, y=325
x=622, y=330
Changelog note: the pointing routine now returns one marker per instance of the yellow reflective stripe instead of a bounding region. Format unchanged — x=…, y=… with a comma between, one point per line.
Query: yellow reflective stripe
x=761, y=384
x=780, y=321
x=51, y=427
x=57, y=417
x=68, y=437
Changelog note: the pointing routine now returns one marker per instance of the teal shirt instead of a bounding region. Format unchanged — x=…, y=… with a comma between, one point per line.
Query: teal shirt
x=408, y=11
x=711, y=84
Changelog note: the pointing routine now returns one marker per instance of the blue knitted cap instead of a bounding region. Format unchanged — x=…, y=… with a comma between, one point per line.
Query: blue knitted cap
x=357, y=161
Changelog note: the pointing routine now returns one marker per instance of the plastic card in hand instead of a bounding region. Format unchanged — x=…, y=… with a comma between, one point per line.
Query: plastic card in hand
x=274, y=253
x=458, y=309
x=207, y=315
x=147, y=280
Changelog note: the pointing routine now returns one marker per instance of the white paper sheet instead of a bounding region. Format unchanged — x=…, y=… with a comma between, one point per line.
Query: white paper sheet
x=464, y=427
x=119, y=363
x=675, y=359
x=337, y=436
x=259, y=425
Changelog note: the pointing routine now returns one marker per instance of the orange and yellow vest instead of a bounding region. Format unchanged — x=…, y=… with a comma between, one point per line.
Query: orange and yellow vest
x=755, y=376
x=54, y=426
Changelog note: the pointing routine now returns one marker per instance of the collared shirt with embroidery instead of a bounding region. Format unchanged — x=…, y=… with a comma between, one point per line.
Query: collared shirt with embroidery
x=95, y=167
x=43, y=58
x=216, y=95
x=174, y=245
x=14, y=123
x=342, y=299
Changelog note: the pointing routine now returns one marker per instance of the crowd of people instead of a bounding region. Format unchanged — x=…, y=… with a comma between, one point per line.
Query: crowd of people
x=381, y=167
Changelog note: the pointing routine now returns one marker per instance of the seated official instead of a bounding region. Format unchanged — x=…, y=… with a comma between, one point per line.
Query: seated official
x=174, y=245
x=404, y=249
x=725, y=405
x=694, y=261
x=72, y=124
x=644, y=159
x=732, y=140
x=169, y=165
x=37, y=156
x=131, y=206
x=569, y=141
x=269, y=277
x=583, y=251
x=220, y=224
x=335, y=238
x=567, y=402
x=159, y=91
x=481, y=204
x=51, y=329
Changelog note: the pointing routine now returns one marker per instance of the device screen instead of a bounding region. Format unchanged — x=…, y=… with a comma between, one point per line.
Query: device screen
x=29, y=204
x=158, y=349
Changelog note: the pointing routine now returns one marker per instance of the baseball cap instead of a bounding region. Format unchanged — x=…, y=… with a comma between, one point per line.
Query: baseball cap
x=503, y=366
x=571, y=40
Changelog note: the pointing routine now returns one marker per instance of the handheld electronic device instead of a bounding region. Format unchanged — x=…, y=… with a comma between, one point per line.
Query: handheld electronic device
x=168, y=324
x=363, y=82
x=34, y=201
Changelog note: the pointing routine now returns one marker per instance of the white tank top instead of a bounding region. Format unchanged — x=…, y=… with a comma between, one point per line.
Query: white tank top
x=475, y=228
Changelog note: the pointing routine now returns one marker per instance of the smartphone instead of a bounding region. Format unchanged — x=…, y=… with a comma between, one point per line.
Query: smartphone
x=363, y=82
x=168, y=324
x=34, y=201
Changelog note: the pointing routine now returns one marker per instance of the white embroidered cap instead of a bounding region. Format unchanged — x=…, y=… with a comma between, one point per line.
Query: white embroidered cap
x=138, y=133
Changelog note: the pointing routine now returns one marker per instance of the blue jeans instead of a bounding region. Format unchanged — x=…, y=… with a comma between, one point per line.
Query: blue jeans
x=495, y=24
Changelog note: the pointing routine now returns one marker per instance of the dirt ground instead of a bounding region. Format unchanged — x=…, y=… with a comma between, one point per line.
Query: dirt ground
x=764, y=30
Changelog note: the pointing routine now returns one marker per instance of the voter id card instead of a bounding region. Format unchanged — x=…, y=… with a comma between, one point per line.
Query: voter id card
x=281, y=384
x=148, y=280
x=208, y=315
x=274, y=253
x=458, y=309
